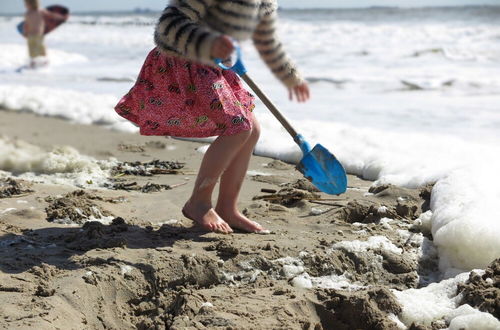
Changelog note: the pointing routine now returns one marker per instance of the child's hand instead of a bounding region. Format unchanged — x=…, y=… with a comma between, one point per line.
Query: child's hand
x=299, y=92
x=222, y=47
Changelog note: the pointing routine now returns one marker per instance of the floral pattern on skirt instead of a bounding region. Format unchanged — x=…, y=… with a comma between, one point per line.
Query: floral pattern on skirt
x=176, y=97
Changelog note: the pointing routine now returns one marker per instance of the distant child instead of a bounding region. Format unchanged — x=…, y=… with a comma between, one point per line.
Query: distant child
x=181, y=92
x=34, y=27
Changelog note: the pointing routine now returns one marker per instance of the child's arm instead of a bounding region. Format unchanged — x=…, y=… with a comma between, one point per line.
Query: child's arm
x=271, y=51
x=178, y=30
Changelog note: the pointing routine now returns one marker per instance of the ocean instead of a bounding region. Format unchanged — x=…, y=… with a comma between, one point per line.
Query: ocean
x=401, y=96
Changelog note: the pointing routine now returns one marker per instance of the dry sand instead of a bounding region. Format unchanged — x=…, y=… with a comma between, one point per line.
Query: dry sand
x=149, y=269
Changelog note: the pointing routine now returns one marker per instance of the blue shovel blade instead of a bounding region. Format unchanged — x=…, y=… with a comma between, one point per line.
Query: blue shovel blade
x=324, y=170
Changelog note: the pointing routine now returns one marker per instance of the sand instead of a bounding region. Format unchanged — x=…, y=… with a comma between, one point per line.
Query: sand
x=142, y=265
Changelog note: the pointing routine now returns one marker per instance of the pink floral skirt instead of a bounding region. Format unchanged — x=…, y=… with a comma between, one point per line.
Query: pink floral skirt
x=177, y=97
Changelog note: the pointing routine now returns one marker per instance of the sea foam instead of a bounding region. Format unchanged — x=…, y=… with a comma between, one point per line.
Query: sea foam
x=439, y=301
x=61, y=165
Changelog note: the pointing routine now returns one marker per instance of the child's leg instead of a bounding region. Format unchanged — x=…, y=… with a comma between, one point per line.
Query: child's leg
x=37, y=49
x=43, y=49
x=43, y=52
x=217, y=158
x=231, y=182
x=31, y=50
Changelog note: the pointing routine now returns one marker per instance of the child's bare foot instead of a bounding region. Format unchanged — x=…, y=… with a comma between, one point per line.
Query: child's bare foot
x=238, y=221
x=206, y=218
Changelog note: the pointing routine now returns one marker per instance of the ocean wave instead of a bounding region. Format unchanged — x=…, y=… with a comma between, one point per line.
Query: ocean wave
x=13, y=56
x=115, y=79
x=78, y=107
x=426, y=85
x=336, y=82
x=104, y=20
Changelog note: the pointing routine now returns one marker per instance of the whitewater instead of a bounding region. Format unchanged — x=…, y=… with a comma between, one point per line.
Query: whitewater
x=407, y=97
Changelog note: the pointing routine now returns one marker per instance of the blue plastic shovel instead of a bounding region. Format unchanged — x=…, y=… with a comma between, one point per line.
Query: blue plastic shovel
x=318, y=164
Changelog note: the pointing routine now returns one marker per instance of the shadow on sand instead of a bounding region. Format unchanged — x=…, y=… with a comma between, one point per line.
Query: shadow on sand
x=59, y=246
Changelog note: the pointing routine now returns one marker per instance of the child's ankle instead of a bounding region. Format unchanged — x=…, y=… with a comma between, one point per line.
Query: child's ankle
x=195, y=202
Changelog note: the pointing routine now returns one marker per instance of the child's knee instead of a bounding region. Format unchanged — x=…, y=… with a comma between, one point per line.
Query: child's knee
x=243, y=135
x=255, y=130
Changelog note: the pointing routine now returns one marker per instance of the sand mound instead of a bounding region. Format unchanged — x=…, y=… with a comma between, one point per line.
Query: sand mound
x=303, y=184
x=147, y=168
x=483, y=291
x=134, y=186
x=365, y=309
x=279, y=165
x=96, y=235
x=10, y=187
x=289, y=196
x=76, y=207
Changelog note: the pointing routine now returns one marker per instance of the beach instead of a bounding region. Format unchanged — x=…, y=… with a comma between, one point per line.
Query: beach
x=80, y=257
x=91, y=230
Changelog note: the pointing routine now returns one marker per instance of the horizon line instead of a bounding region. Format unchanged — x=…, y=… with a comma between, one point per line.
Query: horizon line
x=139, y=10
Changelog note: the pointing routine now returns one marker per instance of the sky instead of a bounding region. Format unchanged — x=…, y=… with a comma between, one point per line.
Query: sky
x=16, y=6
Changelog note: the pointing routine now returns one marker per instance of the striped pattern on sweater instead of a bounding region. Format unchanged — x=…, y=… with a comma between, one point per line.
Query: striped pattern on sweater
x=188, y=28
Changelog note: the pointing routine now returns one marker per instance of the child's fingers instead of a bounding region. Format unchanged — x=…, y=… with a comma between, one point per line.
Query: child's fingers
x=226, y=46
x=302, y=93
x=222, y=47
x=299, y=93
x=307, y=92
x=293, y=94
x=227, y=42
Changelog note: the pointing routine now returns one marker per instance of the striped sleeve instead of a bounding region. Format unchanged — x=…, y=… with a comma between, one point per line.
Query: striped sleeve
x=179, y=30
x=271, y=50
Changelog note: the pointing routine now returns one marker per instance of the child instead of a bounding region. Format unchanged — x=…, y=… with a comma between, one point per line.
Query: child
x=181, y=92
x=34, y=27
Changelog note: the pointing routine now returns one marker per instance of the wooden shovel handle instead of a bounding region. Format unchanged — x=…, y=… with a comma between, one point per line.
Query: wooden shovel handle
x=269, y=104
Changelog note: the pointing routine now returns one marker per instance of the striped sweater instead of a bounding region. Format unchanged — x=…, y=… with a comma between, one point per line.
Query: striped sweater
x=188, y=28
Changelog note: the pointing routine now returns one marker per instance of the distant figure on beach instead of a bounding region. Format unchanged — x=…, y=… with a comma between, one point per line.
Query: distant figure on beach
x=34, y=27
x=181, y=92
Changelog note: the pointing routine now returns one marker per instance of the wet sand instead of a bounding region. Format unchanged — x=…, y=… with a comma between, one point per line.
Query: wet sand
x=144, y=266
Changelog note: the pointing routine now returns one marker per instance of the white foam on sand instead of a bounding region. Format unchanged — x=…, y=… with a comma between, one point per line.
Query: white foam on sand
x=467, y=318
x=102, y=219
x=338, y=282
x=464, y=227
x=126, y=269
x=439, y=301
x=373, y=243
x=424, y=222
x=290, y=267
x=293, y=269
x=255, y=173
x=61, y=165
